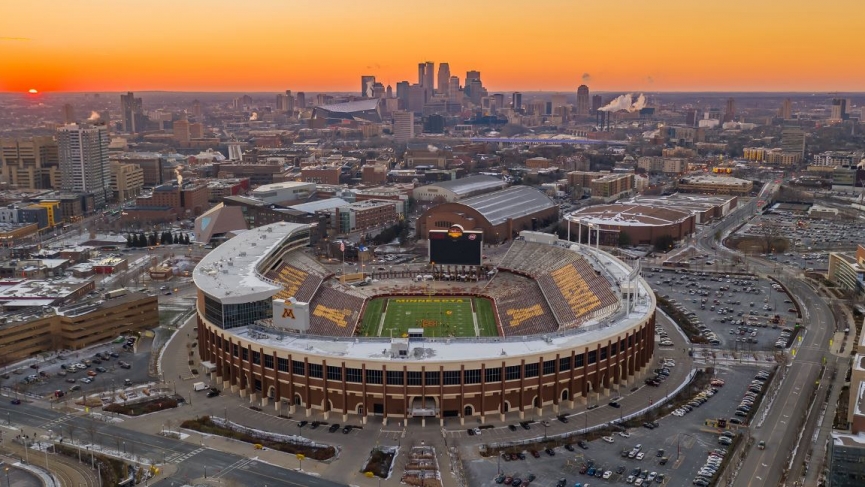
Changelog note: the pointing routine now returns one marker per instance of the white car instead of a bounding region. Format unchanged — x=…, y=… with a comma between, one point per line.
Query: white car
x=651, y=476
x=607, y=474
x=638, y=481
x=608, y=439
x=624, y=434
x=640, y=455
x=477, y=431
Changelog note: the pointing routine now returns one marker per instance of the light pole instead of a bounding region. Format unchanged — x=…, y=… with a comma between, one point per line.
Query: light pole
x=8, y=484
x=26, y=454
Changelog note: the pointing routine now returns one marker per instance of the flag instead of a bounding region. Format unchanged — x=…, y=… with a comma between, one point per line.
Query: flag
x=342, y=246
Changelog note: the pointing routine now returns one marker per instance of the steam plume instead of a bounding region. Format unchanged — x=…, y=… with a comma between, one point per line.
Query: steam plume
x=625, y=103
x=432, y=148
x=586, y=77
x=254, y=116
x=179, y=176
x=94, y=117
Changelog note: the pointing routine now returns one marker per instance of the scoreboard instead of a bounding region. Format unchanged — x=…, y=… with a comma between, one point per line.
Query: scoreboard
x=455, y=246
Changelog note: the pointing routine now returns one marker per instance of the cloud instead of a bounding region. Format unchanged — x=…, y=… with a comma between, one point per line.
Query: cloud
x=586, y=77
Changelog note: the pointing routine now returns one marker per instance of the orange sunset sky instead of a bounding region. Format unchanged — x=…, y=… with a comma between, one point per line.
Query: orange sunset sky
x=326, y=45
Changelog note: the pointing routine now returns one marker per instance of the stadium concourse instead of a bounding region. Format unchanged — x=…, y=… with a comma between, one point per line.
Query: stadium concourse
x=543, y=326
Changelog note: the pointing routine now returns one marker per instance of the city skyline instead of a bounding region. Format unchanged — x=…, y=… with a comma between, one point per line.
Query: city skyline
x=628, y=45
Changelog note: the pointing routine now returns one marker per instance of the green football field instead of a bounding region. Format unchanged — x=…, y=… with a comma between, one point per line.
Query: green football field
x=439, y=316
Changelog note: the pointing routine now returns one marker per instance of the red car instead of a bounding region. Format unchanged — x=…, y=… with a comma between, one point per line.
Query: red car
x=536, y=454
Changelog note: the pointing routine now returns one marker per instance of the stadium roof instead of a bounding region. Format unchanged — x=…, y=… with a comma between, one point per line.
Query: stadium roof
x=228, y=273
x=471, y=184
x=514, y=202
x=352, y=106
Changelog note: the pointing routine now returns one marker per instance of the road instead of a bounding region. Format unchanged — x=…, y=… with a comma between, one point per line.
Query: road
x=192, y=460
x=781, y=427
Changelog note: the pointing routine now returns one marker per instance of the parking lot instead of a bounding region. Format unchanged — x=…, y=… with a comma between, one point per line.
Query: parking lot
x=739, y=309
x=806, y=234
x=684, y=441
x=52, y=377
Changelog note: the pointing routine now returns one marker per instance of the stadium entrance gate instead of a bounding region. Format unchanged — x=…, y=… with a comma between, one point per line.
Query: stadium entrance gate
x=423, y=407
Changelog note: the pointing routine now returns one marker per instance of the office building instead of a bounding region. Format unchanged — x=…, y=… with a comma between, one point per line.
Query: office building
x=68, y=113
x=839, y=109
x=196, y=109
x=730, y=110
x=132, y=112
x=583, y=101
x=417, y=98
x=127, y=180
x=301, y=100
x=454, y=94
x=29, y=163
x=181, y=131
x=597, y=103
x=83, y=151
x=196, y=130
x=786, y=112
x=428, y=80
x=444, y=77
x=403, y=125
x=366, y=86
x=559, y=101
x=378, y=90
x=284, y=102
x=517, y=101
x=793, y=140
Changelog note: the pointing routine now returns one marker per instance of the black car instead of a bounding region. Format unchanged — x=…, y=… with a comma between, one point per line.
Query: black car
x=347, y=429
x=620, y=469
x=333, y=427
x=615, y=404
x=550, y=452
x=649, y=426
x=212, y=393
x=470, y=431
x=16, y=401
x=512, y=427
x=302, y=423
x=660, y=453
x=525, y=425
x=582, y=444
x=561, y=483
x=563, y=419
x=569, y=447
x=315, y=424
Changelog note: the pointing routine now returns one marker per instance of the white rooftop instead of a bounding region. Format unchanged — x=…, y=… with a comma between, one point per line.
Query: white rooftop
x=228, y=273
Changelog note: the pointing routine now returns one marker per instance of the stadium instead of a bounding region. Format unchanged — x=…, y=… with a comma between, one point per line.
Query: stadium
x=541, y=326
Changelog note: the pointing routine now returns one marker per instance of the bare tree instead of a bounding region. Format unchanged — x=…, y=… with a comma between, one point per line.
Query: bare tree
x=92, y=430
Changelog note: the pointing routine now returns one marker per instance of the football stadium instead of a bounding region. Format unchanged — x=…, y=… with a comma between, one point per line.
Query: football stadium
x=539, y=327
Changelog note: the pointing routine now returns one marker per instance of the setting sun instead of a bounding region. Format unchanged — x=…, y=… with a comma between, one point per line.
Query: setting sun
x=33, y=91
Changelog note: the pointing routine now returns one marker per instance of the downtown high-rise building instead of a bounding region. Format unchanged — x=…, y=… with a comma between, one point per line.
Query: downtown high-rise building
x=403, y=126
x=730, y=110
x=839, y=109
x=517, y=101
x=444, y=77
x=597, y=103
x=429, y=77
x=454, y=89
x=786, y=111
x=83, y=154
x=301, y=100
x=793, y=140
x=68, y=113
x=284, y=102
x=584, y=103
x=366, y=86
x=196, y=109
x=133, y=113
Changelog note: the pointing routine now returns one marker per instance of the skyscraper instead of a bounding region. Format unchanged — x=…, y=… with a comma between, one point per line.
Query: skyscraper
x=366, y=86
x=132, y=112
x=388, y=92
x=517, y=101
x=429, y=77
x=196, y=109
x=583, y=102
x=454, y=89
x=421, y=69
x=597, y=102
x=839, y=109
x=416, y=98
x=403, y=125
x=730, y=110
x=377, y=90
x=282, y=102
x=786, y=112
x=181, y=131
x=444, y=77
x=83, y=151
x=68, y=113
x=301, y=100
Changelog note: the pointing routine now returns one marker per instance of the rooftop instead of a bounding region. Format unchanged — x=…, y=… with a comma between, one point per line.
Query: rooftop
x=229, y=274
x=628, y=214
x=320, y=205
x=707, y=179
x=352, y=106
x=284, y=185
x=471, y=184
x=514, y=202
x=688, y=202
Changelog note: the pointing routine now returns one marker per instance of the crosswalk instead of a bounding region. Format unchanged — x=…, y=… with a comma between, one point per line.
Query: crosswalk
x=181, y=457
x=57, y=421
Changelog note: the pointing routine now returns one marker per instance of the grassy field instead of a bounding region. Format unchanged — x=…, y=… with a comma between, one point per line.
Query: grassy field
x=438, y=316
